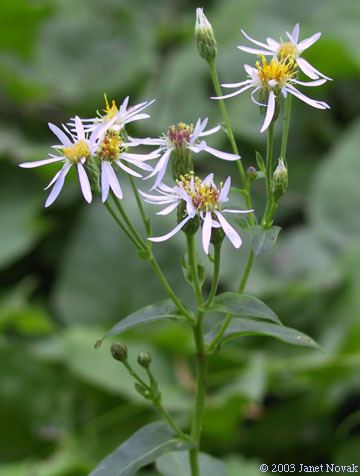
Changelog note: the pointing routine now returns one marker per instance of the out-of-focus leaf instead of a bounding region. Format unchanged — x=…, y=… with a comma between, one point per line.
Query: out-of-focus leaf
x=100, y=269
x=243, y=305
x=336, y=193
x=142, y=448
x=263, y=240
x=177, y=464
x=237, y=465
x=20, y=224
x=246, y=327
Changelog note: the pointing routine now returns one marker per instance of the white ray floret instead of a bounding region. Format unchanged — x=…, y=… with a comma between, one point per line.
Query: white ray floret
x=74, y=149
x=281, y=49
x=201, y=198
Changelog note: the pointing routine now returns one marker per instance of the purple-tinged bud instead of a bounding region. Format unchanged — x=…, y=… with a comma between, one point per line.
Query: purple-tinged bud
x=119, y=351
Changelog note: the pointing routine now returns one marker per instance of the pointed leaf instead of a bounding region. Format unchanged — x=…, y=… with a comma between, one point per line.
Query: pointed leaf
x=142, y=448
x=263, y=240
x=177, y=464
x=146, y=315
x=243, y=305
x=246, y=327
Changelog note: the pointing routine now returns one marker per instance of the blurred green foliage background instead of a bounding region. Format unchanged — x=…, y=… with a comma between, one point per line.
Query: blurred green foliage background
x=67, y=274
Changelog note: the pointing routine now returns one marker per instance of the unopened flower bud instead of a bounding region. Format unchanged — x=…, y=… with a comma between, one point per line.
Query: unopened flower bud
x=144, y=359
x=251, y=173
x=204, y=34
x=217, y=235
x=280, y=180
x=192, y=226
x=119, y=351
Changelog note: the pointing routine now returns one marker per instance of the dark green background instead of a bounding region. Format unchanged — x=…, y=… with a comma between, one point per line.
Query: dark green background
x=67, y=274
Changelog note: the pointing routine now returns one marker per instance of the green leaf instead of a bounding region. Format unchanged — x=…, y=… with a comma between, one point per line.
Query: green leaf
x=187, y=271
x=177, y=464
x=260, y=161
x=247, y=327
x=146, y=315
x=263, y=240
x=142, y=448
x=243, y=305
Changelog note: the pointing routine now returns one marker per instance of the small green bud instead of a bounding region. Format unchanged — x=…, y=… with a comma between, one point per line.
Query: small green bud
x=251, y=173
x=144, y=359
x=205, y=38
x=119, y=351
x=92, y=170
x=280, y=180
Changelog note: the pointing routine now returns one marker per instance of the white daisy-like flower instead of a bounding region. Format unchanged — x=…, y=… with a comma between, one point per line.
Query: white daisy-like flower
x=75, y=148
x=284, y=49
x=182, y=137
x=115, y=117
x=113, y=150
x=270, y=80
x=202, y=198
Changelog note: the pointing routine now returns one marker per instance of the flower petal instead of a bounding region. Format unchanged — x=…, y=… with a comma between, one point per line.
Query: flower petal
x=269, y=111
x=312, y=102
x=263, y=45
x=172, y=232
x=105, y=185
x=168, y=209
x=305, y=44
x=309, y=70
x=255, y=51
x=84, y=182
x=220, y=154
x=206, y=232
x=113, y=181
x=58, y=185
x=223, y=197
x=39, y=163
x=235, y=93
x=63, y=138
x=229, y=231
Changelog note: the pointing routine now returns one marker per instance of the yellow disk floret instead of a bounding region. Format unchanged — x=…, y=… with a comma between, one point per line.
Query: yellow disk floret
x=204, y=196
x=287, y=50
x=110, y=111
x=77, y=151
x=111, y=146
x=279, y=71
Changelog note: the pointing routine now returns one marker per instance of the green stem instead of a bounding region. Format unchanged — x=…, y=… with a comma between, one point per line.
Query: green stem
x=122, y=226
x=193, y=267
x=216, y=274
x=268, y=176
x=201, y=368
x=130, y=226
x=200, y=393
x=246, y=272
x=286, y=126
x=139, y=203
x=245, y=182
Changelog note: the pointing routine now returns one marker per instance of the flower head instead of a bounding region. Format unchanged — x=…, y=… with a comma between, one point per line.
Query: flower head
x=75, y=149
x=203, y=199
x=292, y=48
x=185, y=137
x=112, y=150
x=115, y=117
x=269, y=80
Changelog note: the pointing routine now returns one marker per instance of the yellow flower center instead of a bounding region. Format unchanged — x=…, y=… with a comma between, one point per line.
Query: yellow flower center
x=77, y=151
x=279, y=71
x=204, y=196
x=287, y=50
x=111, y=146
x=110, y=111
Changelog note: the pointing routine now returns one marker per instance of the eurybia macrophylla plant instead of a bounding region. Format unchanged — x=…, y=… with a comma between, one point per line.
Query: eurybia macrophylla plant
x=104, y=155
